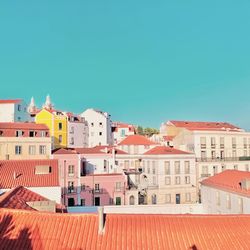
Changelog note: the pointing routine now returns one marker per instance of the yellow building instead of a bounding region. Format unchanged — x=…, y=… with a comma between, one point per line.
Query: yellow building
x=57, y=124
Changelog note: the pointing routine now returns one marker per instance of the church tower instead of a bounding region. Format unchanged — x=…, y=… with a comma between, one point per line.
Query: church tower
x=48, y=104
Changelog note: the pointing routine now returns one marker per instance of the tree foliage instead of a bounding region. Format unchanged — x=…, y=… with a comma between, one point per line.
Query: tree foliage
x=147, y=131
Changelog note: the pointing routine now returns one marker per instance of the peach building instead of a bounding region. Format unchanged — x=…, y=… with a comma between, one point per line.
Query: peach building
x=23, y=140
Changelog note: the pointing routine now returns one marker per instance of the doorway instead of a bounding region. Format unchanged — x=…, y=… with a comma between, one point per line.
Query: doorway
x=178, y=199
x=97, y=201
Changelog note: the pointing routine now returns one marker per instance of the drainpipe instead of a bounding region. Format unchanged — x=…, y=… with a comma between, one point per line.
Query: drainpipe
x=64, y=177
x=79, y=181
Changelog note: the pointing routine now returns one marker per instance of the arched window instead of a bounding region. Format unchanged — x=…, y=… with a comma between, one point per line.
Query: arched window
x=154, y=199
x=132, y=200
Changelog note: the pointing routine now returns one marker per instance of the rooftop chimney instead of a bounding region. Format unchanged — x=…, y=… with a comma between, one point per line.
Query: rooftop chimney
x=245, y=184
x=101, y=220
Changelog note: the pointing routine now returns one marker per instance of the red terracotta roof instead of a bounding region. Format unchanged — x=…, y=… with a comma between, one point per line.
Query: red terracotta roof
x=10, y=101
x=24, y=171
x=18, y=197
x=136, y=140
x=124, y=125
x=163, y=150
x=21, y=229
x=229, y=180
x=8, y=129
x=216, y=126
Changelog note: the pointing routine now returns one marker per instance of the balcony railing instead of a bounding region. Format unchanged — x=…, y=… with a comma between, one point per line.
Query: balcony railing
x=241, y=158
x=205, y=175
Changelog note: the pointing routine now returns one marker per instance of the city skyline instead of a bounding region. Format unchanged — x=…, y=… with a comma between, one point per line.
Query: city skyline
x=183, y=61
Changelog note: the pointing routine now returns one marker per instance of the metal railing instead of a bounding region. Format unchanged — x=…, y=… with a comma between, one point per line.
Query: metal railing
x=241, y=158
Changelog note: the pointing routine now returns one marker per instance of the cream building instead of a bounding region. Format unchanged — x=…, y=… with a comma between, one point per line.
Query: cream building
x=227, y=193
x=20, y=141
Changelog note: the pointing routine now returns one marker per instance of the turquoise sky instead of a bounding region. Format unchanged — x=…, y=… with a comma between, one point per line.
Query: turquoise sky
x=142, y=61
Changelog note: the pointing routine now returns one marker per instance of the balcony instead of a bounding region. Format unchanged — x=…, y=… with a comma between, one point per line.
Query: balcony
x=205, y=175
x=99, y=191
x=241, y=158
x=203, y=146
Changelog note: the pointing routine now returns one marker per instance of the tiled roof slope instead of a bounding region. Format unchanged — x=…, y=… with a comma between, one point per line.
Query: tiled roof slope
x=24, y=170
x=136, y=140
x=94, y=150
x=10, y=101
x=229, y=180
x=18, y=197
x=163, y=150
x=191, y=125
x=21, y=229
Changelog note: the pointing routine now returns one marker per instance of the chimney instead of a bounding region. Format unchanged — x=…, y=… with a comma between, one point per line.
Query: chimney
x=14, y=175
x=101, y=220
x=245, y=184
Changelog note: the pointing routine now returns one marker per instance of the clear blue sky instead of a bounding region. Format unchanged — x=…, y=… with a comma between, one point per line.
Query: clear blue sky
x=143, y=61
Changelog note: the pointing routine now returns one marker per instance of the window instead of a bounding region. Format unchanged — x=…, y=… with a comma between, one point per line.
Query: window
x=187, y=167
x=154, y=180
x=234, y=154
x=167, y=167
x=71, y=170
x=245, y=152
x=18, y=150
x=83, y=187
x=60, y=138
x=154, y=199
x=204, y=170
x=153, y=170
x=118, y=186
x=167, y=180
x=60, y=126
x=43, y=133
x=32, y=150
x=118, y=201
x=177, y=180
x=71, y=187
x=111, y=201
x=126, y=164
x=233, y=142
x=32, y=133
x=168, y=198
x=19, y=133
x=97, y=188
x=187, y=179
x=72, y=140
x=42, y=150
x=92, y=124
x=19, y=107
x=215, y=170
x=222, y=154
x=222, y=142
x=203, y=155
x=72, y=130
x=100, y=124
x=82, y=202
x=213, y=154
x=188, y=197
x=228, y=201
x=177, y=167
x=217, y=198
x=131, y=200
x=235, y=167
x=123, y=133
x=71, y=202
x=245, y=142
x=105, y=165
x=203, y=142
x=100, y=133
x=212, y=142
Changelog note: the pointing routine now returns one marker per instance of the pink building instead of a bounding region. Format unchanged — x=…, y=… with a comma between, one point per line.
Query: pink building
x=83, y=187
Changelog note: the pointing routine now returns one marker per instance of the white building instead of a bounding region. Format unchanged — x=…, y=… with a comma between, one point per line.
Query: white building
x=13, y=111
x=77, y=131
x=217, y=145
x=100, y=127
x=122, y=130
x=227, y=193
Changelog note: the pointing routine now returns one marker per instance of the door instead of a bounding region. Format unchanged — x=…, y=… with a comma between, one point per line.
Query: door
x=97, y=201
x=71, y=202
x=177, y=198
x=118, y=201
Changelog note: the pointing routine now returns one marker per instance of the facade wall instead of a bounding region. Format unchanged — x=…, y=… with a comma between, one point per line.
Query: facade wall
x=216, y=201
x=99, y=125
x=8, y=148
x=77, y=135
x=121, y=133
x=14, y=112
